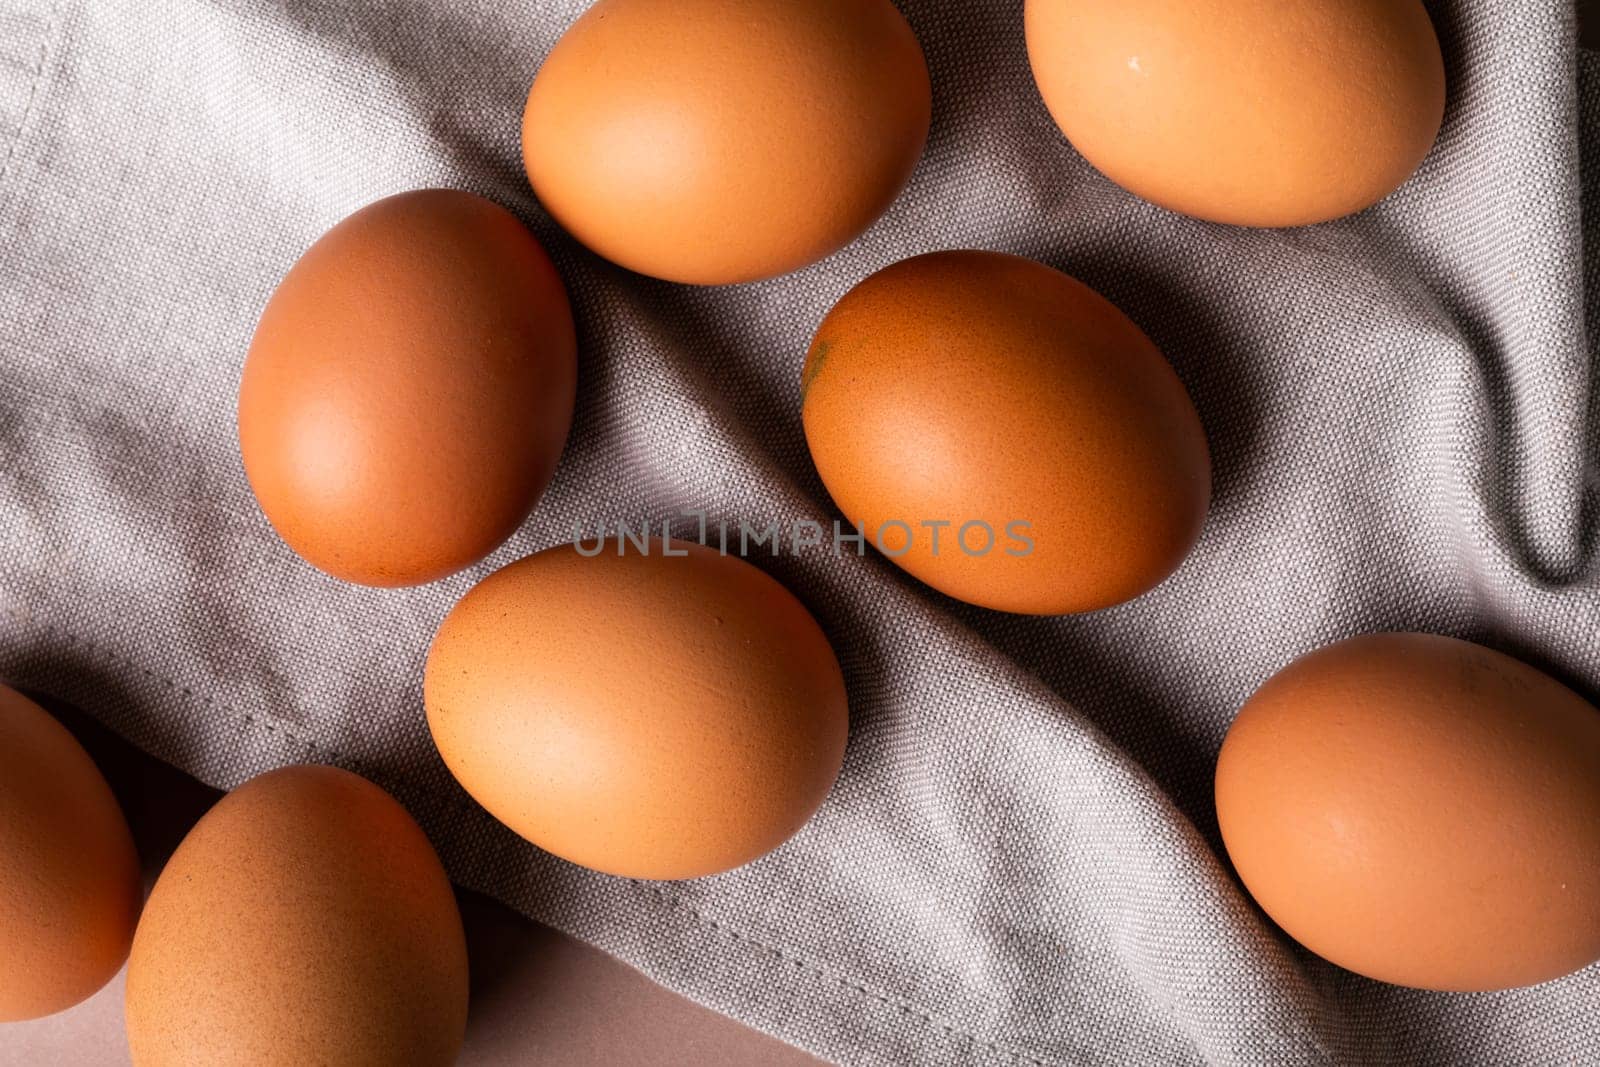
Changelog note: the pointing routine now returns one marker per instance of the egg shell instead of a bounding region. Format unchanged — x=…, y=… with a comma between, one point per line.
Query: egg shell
x=69, y=875
x=648, y=716
x=1253, y=112
x=1420, y=810
x=719, y=141
x=409, y=389
x=975, y=387
x=304, y=920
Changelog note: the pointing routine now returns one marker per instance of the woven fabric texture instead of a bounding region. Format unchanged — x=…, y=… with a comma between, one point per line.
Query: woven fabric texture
x=1020, y=864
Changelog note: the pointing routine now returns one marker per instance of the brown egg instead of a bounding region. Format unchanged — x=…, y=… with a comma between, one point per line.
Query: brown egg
x=648, y=716
x=1422, y=811
x=717, y=141
x=304, y=920
x=1024, y=412
x=1253, y=112
x=409, y=389
x=69, y=875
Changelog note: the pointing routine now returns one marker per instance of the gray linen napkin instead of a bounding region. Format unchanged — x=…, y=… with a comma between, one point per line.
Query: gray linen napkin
x=1020, y=863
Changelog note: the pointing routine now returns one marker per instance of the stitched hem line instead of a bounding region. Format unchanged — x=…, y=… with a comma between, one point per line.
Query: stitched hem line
x=28, y=31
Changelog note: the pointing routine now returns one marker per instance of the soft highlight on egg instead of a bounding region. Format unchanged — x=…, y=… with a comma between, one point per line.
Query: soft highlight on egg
x=304, y=920
x=1253, y=112
x=1420, y=810
x=1005, y=434
x=641, y=714
x=409, y=389
x=721, y=141
x=69, y=875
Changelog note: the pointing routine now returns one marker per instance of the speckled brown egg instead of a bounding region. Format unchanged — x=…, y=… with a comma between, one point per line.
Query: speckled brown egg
x=1254, y=112
x=69, y=875
x=409, y=389
x=1422, y=811
x=718, y=141
x=644, y=715
x=1005, y=434
x=304, y=920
